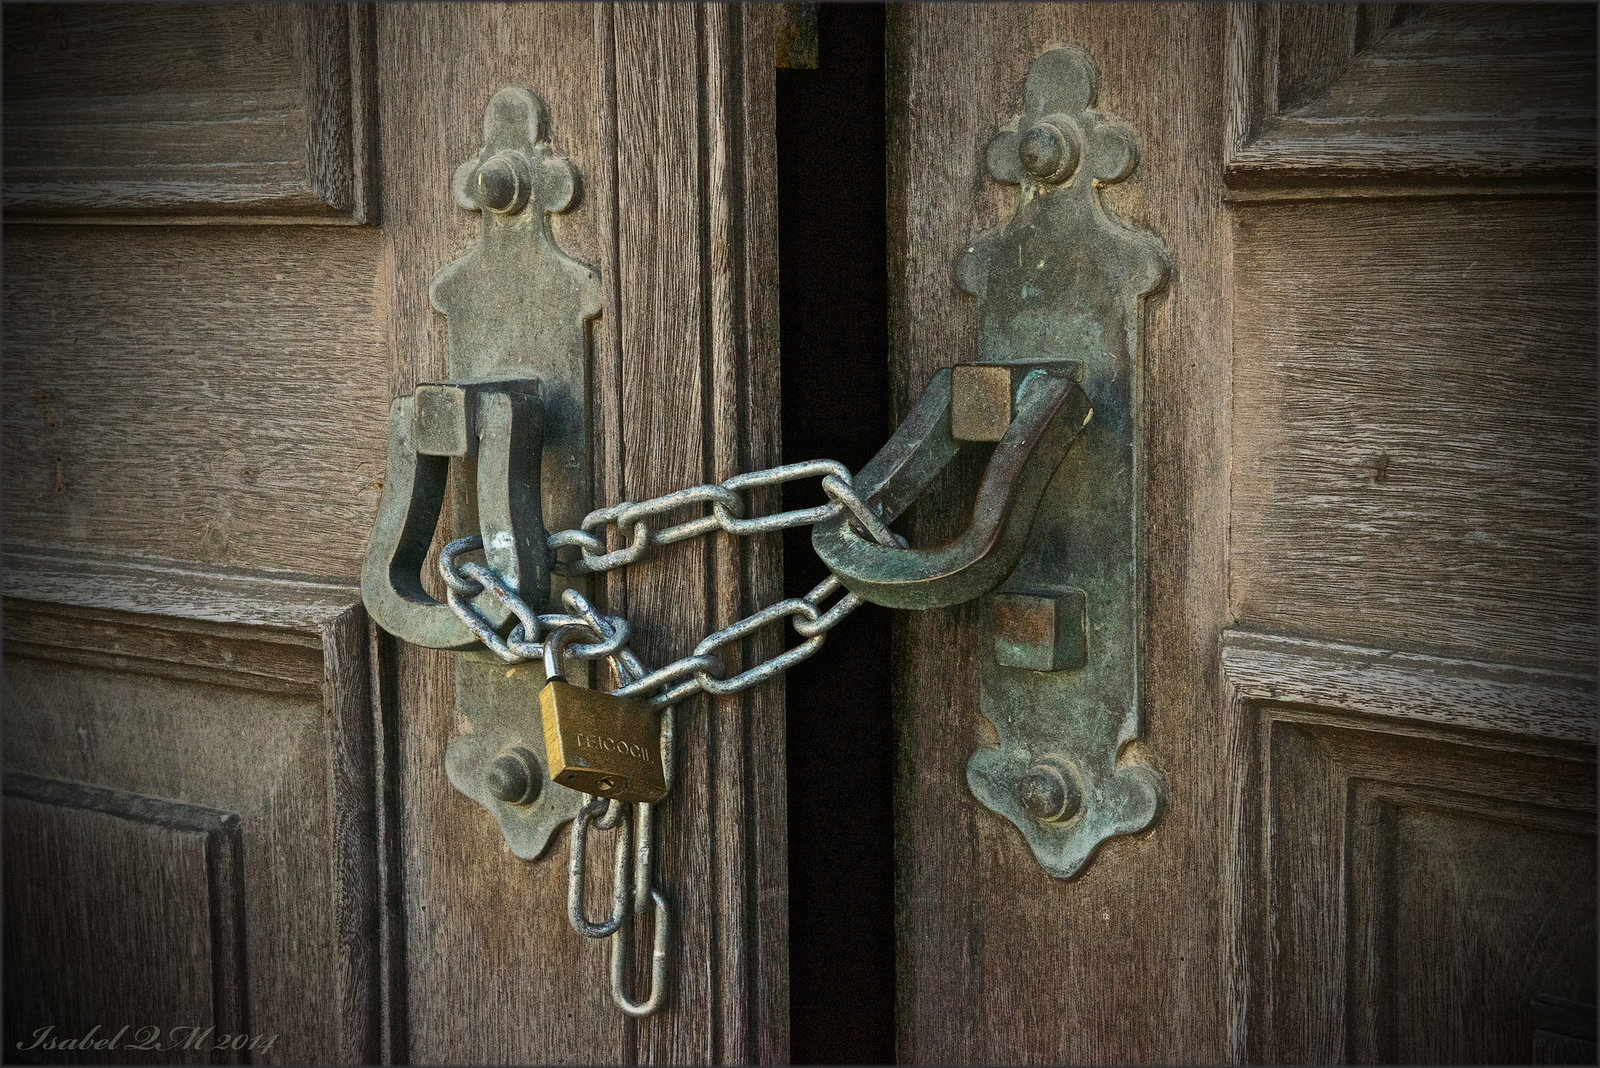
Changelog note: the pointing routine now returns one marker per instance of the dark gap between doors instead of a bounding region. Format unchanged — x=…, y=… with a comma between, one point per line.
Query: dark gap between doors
x=832, y=226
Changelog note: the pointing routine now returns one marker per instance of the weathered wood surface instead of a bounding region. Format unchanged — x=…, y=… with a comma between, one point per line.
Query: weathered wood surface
x=121, y=910
x=1447, y=627
x=530, y=990
x=289, y=605
x=195, y=433
x=665, y=111
x=1442, y=691
x=212, y=395
x=267, y=718
x=1344, y=92
x=146, y=113
x=1414, y=426
x=999, y=962
x=695, y=317
x=1407, y=898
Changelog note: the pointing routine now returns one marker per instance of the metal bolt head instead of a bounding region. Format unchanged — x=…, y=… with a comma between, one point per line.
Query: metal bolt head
x=982, y=399
x=443, y=418
x=510, y=778
x=501, y=183
x=1040, y=628
x=1048, y=792
x=1048, y=152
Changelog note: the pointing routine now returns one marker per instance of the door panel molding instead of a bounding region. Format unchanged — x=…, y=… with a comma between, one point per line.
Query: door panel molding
x=1361, y=95
x=224, y=112
x=1419, y=688
x=164, y=883
x=247, y=694
x=1358, y=767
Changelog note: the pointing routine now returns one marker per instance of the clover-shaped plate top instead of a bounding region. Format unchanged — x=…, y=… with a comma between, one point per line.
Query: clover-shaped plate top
x=1060, y=279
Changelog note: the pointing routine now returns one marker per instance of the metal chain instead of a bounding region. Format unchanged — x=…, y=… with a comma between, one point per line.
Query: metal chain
x=700, y=671
x=608, y=814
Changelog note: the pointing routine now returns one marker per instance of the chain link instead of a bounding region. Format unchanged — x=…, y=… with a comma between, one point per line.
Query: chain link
x=701, y=670
x=647, y=897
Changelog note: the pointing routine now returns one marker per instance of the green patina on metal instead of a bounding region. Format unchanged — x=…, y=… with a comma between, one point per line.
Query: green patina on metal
x=1054, y=540
x=1063, y=279
x=1050, y=412
x=517, y=309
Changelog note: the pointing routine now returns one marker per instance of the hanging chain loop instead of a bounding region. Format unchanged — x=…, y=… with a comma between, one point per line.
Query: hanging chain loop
x=701, y=670
x=550, y=636
x=592, y=812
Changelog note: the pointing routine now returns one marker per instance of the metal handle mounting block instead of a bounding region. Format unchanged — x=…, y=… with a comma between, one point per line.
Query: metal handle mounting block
x=515, y=407
x=1063, y=279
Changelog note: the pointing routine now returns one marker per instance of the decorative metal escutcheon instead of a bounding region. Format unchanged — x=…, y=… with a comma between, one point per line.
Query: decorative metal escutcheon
x=1053, y=548
x=518, y=310
x=1059, y=660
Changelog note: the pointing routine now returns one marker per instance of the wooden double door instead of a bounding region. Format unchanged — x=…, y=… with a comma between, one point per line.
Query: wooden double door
x=1367, y=602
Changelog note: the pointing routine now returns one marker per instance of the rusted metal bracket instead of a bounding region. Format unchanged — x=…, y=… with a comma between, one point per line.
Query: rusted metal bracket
x=518, y=312
x=1059, y=657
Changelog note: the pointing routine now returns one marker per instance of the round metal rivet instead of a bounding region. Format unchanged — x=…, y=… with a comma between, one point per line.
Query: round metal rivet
x=1048, y=153
x=501, y=184
x=1048, y=793
x=510, y=778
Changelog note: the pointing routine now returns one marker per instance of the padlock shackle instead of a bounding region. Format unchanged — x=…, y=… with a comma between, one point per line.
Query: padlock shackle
x=555, y=644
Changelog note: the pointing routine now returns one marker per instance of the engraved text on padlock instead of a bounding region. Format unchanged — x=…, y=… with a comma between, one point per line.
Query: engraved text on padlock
x=602, y=745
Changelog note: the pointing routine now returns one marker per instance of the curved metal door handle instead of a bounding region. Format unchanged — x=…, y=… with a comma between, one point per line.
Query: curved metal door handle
x=1050, y=409
x=502, y=424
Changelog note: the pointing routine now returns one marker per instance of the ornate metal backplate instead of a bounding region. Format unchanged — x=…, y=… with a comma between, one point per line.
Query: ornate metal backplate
x=519, y=308
x=1059, y=663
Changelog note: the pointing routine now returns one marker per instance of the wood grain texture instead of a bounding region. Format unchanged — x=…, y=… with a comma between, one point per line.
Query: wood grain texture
x=96, y=580
x=749, y=436
x=1315, y=44
x=211, y=395
x=129, y=112
x=121, y=910
x=267, y=716
x=1398, y=882
x=1447, y=928
x=998, y=962
x=1414, y=427
x=1442, y=322
x=1439, y=691
x=664, y=111
x=693, y=352
x=1340, y=93
x=494, y=973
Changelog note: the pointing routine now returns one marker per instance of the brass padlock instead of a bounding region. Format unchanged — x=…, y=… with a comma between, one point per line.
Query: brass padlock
x=595, y=742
